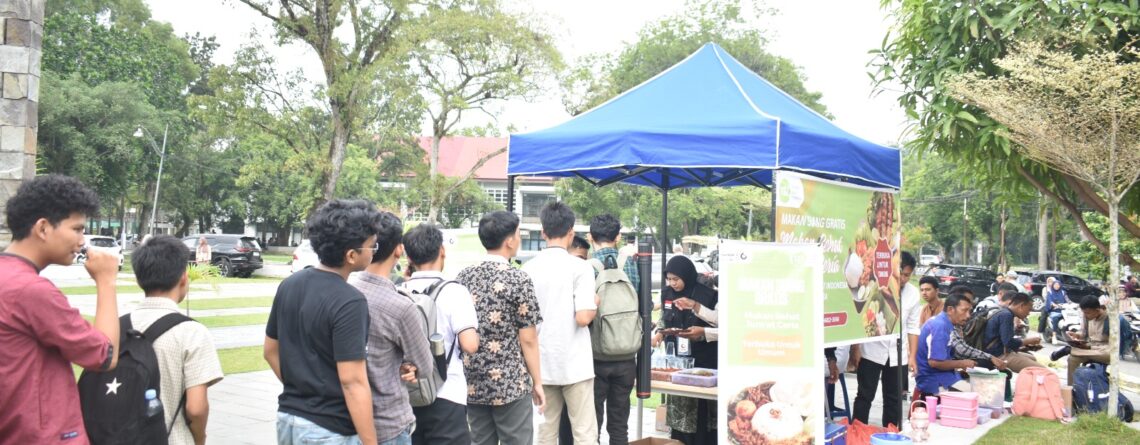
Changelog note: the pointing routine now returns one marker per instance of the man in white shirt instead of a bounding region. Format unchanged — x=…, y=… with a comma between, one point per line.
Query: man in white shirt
x=564, y=286
x=445, y=420
x=879, y=359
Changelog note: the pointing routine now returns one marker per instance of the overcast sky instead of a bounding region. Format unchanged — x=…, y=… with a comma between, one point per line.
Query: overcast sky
x=828, y=39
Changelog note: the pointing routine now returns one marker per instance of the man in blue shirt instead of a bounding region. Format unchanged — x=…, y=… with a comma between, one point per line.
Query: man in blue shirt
x=1000, y=341
x=936, y=364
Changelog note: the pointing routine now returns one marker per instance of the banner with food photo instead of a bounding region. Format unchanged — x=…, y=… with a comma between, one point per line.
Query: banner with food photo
x=771, y=369
x=860, y=233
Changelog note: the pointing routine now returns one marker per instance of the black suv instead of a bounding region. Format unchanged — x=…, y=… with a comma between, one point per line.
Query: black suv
x=235, y=255
x=1076, y=287
x=977, y=278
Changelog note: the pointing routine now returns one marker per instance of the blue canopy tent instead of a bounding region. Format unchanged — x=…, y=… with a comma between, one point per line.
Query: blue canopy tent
x=706, y=121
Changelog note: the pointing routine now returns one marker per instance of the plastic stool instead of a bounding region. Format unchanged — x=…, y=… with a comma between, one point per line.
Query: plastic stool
x=832, y=411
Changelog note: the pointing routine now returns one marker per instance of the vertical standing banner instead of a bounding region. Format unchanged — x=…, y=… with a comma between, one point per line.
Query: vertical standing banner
x=770, y=381
x=859, y=231
x=462, y=248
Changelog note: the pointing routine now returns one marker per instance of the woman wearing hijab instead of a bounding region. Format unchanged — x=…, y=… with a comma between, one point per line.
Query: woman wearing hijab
x=1054, y=297
x=692, y=421
x=202, y=255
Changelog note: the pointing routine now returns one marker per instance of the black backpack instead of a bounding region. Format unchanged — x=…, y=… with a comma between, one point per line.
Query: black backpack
x=975, y=330
x=114, y=403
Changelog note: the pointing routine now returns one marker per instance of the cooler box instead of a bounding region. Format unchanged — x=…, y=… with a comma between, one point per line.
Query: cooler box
x=835, y=434
x=990, y=387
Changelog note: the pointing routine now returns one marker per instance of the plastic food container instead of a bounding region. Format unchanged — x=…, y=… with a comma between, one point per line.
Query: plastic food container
x=695, y=377
x=967, y=400
x=984, y=415
x=990, y=387
x=958, y=422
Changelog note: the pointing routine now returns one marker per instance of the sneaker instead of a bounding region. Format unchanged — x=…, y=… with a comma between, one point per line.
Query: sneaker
x=1056, y=355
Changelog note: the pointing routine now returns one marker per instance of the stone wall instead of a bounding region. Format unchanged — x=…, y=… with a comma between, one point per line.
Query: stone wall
x=21, y=38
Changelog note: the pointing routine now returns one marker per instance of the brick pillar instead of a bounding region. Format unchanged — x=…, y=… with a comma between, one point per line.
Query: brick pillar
x=21, y=40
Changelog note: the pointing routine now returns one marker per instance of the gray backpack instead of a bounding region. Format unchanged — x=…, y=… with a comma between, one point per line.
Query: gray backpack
x=423, y=392
x=616, y=331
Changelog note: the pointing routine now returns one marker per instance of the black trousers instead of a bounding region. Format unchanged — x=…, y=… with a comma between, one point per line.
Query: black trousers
x=613, y=383
x=442, y=422
x=868, y=376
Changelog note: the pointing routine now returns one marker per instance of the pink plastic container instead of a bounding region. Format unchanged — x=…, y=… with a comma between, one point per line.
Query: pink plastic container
x=965, y=400
x=961, y=413
x=957, y=422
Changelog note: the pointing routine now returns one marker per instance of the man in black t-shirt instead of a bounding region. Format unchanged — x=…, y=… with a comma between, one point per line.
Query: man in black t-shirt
x=317, y=331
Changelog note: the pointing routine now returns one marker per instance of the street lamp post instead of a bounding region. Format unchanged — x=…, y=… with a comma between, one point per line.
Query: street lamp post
x=158, y=182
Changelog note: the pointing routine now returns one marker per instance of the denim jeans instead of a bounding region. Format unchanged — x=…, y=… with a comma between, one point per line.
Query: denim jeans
x=295, y=430
x=404, y=438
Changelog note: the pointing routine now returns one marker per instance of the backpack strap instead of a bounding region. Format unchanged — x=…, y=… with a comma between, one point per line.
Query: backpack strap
x=597, y=265
x=163, y=324
x=152, y=333
x=433, y=291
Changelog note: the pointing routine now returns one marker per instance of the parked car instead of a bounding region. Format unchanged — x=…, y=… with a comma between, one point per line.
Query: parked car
x=977, y=278
x=235, y=255
x=304, y=257
x=1076, y=287
x=927, y=260
x=104, y=243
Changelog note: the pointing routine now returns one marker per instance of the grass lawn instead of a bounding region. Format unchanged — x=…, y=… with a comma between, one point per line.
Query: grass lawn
x=238, y=360
x=236, y=280
x=90, y=290
x=225, y=303
x=221, y=321
x=276, y=259
x=1088, y=429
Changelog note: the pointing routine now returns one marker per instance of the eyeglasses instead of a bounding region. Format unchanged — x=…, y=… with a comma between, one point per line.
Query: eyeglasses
x=374, y=247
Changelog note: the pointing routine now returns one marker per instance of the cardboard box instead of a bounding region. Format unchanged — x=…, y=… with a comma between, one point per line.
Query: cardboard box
x=656, y=441
x=661, y=425
x=1067, y=396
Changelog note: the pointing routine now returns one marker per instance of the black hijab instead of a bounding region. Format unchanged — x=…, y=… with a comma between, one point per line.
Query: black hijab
x=683, y=268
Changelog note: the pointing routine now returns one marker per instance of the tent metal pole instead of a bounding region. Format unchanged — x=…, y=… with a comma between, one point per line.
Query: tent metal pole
x=510, y=193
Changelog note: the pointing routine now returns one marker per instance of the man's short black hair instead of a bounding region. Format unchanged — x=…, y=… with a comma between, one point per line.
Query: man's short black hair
x=1091, y=303
x=496, y=227
x=928, y=279
x=955, y=299
x=907, y=260
x=605, y=228
x=579, y=243
x=963, y=289
x=1006, y=288
x=51, y=197
x=160, y=263
x=557, y=219
x=389, y=235
x=423, y=243
x=1019, y=298
x=341, y=225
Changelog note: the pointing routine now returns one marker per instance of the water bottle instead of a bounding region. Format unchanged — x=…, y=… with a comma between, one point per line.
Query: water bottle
x=153, y=405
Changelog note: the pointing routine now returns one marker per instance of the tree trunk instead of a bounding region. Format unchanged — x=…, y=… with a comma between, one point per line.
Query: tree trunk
x=1001, y=250
x=1042, y=236
x=1113, y=307
x=337, y=148
x=434, y=199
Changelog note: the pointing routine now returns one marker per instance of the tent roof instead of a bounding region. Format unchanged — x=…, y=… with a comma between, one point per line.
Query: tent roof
x=706, y=121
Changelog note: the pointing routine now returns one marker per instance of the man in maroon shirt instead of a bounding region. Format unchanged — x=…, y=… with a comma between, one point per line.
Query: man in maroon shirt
x=40, y=333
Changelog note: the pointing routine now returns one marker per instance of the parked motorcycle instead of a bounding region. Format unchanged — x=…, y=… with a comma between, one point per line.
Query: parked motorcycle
x=1133, y=319
x=1070, y=321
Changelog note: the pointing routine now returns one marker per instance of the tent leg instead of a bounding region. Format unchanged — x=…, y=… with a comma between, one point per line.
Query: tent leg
x=511, y=193
x=664, y=221
x=640, y=416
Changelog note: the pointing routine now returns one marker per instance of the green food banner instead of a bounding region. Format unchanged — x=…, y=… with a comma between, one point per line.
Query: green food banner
x=462, y=248
x=771, y=368
x=859, y=231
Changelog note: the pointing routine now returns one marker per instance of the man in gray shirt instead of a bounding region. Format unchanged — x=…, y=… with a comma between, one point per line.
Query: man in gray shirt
x=395, y=337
